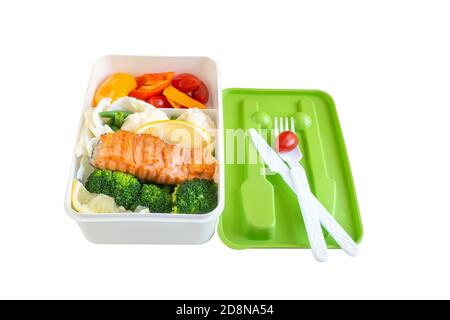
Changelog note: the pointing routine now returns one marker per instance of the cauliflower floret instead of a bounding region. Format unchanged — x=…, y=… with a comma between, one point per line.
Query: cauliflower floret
x=199, y=118
x=92, y=119
x=85, y=168
x=131, y=104
x=202, y=120
x=143, y=112
x=135, y=120
x=93, y=128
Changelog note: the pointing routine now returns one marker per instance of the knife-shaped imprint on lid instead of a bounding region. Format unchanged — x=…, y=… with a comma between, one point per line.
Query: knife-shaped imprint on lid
x=257, y=193
x=321, y=184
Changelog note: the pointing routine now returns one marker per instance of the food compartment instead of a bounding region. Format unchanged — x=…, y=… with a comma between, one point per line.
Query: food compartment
x=130, y=225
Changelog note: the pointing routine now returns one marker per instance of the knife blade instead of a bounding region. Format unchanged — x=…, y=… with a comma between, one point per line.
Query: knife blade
x=270, y=157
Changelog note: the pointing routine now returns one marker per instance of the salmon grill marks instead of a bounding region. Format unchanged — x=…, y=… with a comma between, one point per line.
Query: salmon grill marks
x=151, y=159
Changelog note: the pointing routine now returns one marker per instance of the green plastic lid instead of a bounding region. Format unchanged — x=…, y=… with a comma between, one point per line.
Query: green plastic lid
x=261, y=211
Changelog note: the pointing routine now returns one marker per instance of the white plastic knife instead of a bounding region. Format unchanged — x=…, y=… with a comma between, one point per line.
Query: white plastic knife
x=275, y=164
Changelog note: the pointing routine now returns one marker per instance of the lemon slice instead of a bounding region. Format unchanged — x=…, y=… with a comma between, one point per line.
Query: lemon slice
x=85, y=202
x=80, y=196
x=177, y=132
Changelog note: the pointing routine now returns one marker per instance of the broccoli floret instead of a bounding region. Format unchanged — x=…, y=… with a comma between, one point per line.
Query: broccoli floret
x=126, y=190
x=155, y=198
x=123, y=187
x=167, y=188
x=100, y=181
x=195, y=196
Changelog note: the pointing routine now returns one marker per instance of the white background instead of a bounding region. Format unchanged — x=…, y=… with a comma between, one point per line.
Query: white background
x=387, y=65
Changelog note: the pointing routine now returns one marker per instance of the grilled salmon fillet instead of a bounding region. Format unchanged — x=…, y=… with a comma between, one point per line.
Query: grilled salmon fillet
x=151, y=159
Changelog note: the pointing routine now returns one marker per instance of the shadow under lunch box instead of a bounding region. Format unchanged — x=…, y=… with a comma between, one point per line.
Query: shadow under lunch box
x=321, y=142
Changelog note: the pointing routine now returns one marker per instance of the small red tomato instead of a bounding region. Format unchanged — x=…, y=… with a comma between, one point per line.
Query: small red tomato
x=159, y=101
x=186, y=82
x=201, y=94
x=286, y=141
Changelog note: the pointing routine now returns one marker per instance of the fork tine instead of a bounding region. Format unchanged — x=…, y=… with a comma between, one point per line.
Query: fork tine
x=292, y=124
x=281, y=125
x=286, y=123
x=275, y=120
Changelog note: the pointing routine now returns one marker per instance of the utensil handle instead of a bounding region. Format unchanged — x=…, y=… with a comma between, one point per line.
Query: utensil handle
x=309, y=213
x=335, y=230
x=329, y=223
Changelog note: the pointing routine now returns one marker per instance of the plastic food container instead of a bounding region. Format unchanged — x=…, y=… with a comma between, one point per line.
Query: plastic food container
x=153, y=228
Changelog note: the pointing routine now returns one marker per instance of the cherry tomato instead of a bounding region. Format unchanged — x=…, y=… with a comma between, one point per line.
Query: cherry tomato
x=201, y=94
x=286, y=141
x=159, y=101
x=186, y=82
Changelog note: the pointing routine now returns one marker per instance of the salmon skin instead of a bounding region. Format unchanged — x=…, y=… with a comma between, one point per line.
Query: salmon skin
x=150, y=159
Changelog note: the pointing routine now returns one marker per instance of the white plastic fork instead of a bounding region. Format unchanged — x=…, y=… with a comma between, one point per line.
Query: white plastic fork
x=304, y=195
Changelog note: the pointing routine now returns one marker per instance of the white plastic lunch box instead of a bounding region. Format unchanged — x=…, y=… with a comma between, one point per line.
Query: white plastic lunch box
x=153, y=228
